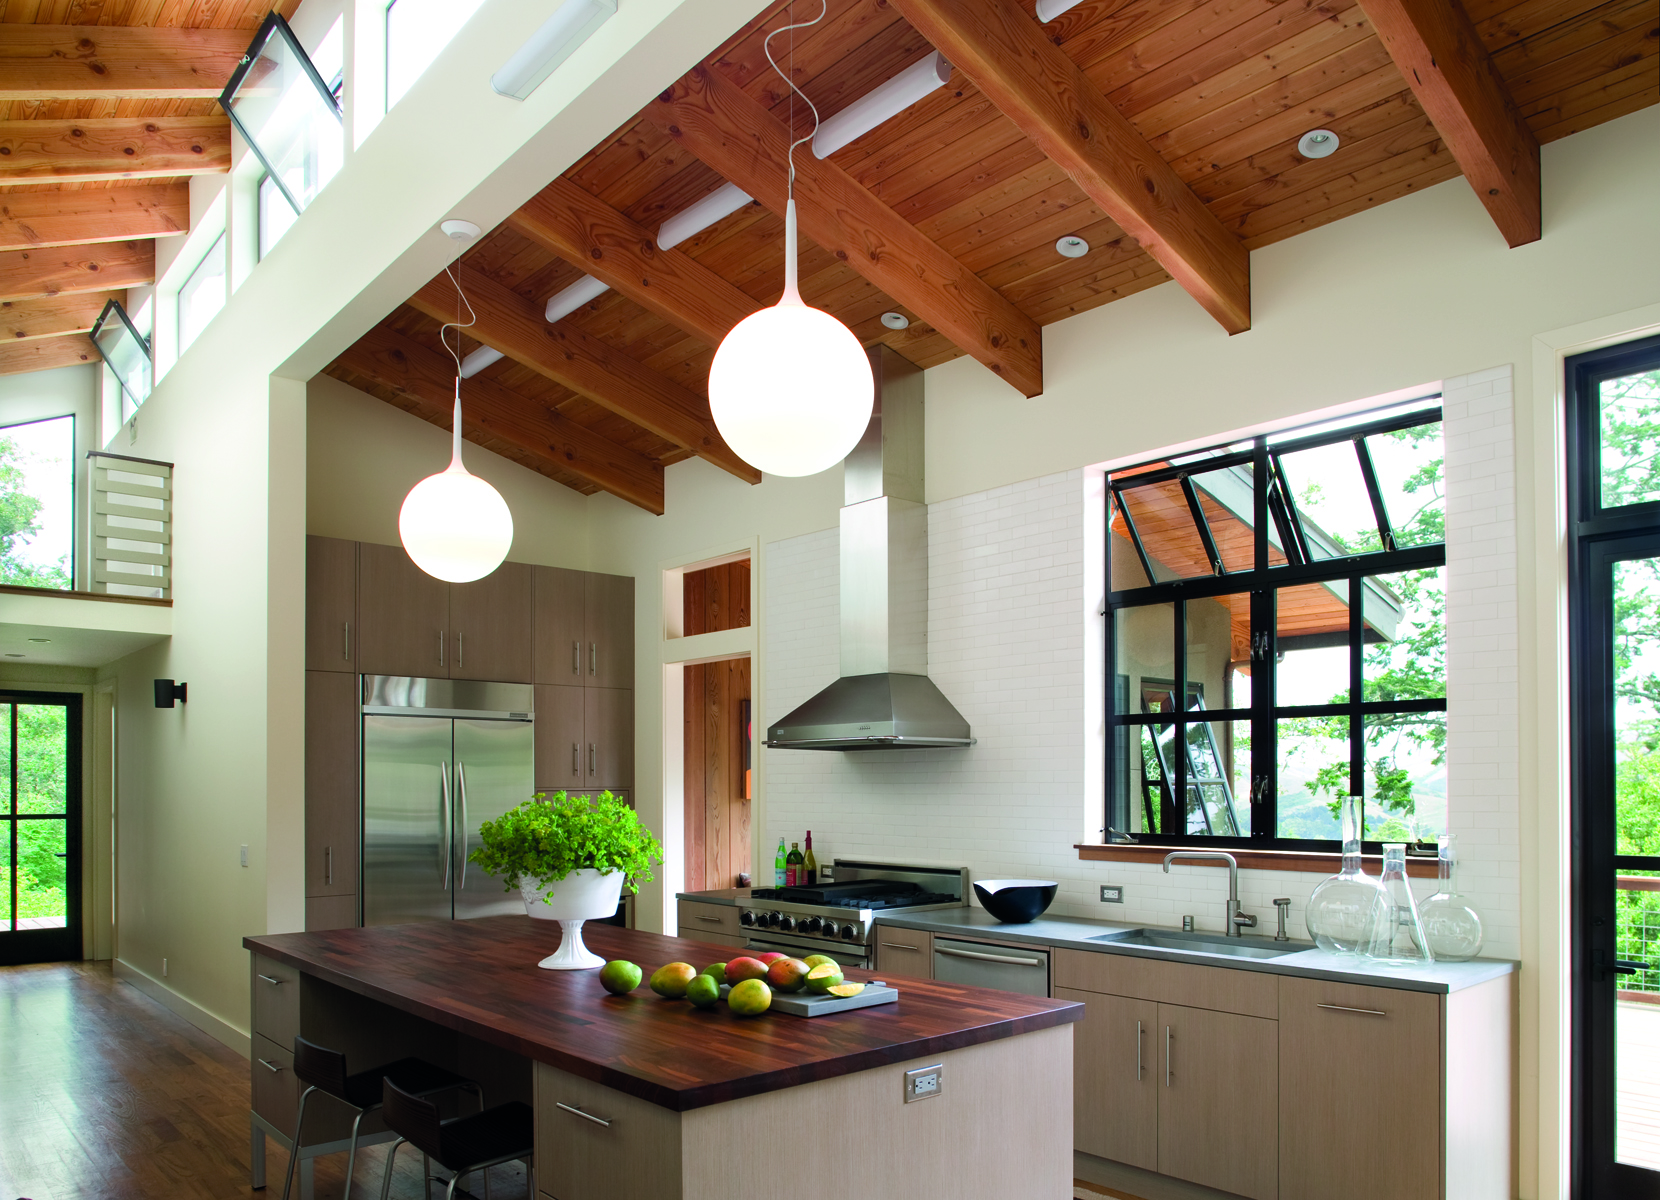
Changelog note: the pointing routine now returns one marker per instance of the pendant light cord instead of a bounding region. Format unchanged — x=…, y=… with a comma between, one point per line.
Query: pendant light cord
x=455, y=353
x=766, y=46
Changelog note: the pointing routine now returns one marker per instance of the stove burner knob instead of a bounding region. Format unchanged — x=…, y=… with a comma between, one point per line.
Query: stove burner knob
x=787, y=924
x=849, y=933
x=773, y=918
x=811, y=925
x=746, y=917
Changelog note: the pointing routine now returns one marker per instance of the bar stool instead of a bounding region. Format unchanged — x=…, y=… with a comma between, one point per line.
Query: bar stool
x=324, y=1070
x=461, y=1145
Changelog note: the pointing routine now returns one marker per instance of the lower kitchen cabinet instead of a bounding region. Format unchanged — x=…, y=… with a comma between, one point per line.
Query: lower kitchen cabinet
x=708, y=922
x=1218, y=1100
x=331, y=775
x=908, y=953
x=1115, y=1104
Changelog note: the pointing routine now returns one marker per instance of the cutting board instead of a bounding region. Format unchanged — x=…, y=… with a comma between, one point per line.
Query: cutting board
x=801, y=1004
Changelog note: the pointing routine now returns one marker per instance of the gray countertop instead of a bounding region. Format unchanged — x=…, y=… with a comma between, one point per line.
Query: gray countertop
x=718, y=896
x=1073, y=933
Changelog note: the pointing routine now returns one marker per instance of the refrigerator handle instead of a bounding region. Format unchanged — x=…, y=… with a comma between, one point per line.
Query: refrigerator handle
x=444, y=797
x=461, y=791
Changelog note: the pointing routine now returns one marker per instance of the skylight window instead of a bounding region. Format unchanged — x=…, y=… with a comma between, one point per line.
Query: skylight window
x=416, y=33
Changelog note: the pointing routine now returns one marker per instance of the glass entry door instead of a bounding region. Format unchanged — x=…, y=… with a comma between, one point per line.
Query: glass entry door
x=40, y=800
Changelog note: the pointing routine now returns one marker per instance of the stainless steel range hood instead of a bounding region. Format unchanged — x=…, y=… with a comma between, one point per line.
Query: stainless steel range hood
x=884, y=699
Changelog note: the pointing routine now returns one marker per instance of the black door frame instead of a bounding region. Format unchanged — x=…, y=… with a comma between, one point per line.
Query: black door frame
x=1597, y=539
x=51, y=945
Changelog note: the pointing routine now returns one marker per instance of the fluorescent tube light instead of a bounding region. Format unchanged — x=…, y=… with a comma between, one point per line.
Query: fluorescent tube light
x=1048, y=10
x=888, y=100
x=723, y=201
x=571, y=25
x=478, y=360
x=568, y=300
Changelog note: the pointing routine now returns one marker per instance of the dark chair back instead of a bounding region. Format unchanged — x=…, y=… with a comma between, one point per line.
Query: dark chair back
x=413, y=1118
x=320, y=1067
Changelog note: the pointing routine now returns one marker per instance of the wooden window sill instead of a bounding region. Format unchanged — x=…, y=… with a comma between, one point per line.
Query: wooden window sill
x=1313, y=861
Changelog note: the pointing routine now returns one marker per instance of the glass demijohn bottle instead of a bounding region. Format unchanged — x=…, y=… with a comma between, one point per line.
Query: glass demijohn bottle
x=1347, y=911
x=1400, y=939
x=1451, y=922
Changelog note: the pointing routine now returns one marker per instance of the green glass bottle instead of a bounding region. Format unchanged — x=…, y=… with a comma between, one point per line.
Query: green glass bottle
x=795, y=874
x=810, y=863
x=780, y=865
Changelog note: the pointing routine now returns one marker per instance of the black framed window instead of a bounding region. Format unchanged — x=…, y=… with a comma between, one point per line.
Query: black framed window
x=1290, y=589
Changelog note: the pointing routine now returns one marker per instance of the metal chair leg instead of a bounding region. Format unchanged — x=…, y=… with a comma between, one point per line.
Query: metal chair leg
x=351, y=1156
x=391, y=1161
x=294, y=1147
x=449, y=1192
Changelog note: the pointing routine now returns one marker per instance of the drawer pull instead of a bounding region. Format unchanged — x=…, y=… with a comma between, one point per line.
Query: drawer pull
x=1370, y=1012
x=585, y=1116
x=1002, y=958
x=701, y=917
x=270, y=1066
x=272, y=982
x=901, y=946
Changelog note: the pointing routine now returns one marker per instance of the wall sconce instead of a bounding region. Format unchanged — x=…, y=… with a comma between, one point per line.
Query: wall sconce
x=167, y=691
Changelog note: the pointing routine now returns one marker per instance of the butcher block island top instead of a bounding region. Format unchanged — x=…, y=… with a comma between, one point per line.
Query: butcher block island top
x=480, y=979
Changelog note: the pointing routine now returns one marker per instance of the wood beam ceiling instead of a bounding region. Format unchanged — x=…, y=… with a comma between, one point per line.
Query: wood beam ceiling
x=427, y=378
x=58, y=218
x=94, y=62
x=104, y=148
x=1448, y=69
x=593, y=236
x=576, y=359
x=743, y=141
x=29, y=273
x=51, y=316
x=46, y=354
x=1004, y=52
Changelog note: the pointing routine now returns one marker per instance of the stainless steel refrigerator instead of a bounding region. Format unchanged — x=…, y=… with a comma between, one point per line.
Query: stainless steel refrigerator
x=440, y=757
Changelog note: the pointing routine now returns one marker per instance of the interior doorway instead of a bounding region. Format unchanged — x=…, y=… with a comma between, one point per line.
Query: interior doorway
x=40, y=826
x=718, y=734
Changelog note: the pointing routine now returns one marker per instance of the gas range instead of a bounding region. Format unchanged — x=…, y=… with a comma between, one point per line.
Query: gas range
x=841, y=916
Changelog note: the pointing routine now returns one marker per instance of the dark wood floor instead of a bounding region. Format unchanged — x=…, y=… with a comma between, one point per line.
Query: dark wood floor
x=106, y=1095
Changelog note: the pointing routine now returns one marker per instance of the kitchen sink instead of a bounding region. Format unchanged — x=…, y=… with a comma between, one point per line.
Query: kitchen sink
x=1204, y=943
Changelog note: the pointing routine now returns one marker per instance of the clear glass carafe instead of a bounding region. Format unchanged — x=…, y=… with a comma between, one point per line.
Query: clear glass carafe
x=1346, y=913
x=1451, y=922
x=1400, y=938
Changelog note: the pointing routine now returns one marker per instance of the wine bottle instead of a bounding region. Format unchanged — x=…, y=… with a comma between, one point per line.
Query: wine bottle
x=809, y=863
x=780, y=866
x=794, y=876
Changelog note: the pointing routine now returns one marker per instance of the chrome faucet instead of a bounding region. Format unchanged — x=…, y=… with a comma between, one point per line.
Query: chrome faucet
x=1236, y=920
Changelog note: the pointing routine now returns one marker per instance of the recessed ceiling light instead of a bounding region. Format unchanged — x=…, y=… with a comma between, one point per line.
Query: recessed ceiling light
x=896, y=320
x=42, y=641
x=1317, y=143
x=459, y=230
x=1072, y=246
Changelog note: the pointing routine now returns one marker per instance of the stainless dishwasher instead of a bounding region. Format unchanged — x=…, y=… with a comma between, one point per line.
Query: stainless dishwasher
x=1023, y=969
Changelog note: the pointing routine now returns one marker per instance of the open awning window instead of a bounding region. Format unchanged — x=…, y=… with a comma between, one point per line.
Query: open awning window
x=126, y=351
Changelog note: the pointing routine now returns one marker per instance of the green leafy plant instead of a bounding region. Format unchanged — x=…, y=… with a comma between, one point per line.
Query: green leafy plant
x=548, y=837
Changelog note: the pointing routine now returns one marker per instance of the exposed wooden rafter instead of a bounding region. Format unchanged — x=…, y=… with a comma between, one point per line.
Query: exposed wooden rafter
x=1448, y=69
x=57, y=218
x=59, y=151
x=92, y=62
x=743, y=141
x=46, y=354
x=998, y=45
x=53, y=272
x=576, y=359
x=592, y=235
x=51, y=316
x=427, y=378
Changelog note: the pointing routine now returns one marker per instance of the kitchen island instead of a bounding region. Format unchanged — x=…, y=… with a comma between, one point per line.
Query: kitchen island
x=695, y=1104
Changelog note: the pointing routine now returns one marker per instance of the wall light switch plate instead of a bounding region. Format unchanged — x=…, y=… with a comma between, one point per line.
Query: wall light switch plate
x=1112, y=893
x=244, y=856
x=924, y=1082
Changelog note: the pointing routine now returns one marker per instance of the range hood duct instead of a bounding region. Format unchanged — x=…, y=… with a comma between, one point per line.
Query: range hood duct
x=884, y=699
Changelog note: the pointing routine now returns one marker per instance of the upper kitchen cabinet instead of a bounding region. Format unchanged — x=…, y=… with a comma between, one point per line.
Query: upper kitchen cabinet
x=608, y=608
x=490, y=626
x=584, y=628
x=331, y=631
x=405, y=622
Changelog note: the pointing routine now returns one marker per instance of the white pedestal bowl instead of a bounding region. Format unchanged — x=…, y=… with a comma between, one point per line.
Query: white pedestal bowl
x=584, y=895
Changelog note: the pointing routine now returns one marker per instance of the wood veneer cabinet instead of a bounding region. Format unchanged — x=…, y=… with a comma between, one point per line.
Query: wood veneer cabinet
x=1115, y=1106
x=331, y=775
x=908, y=953
x=404, y=615
x=490, y=626
x=717, y=923
x=1218, y=1099
x=584, y=629
x=584, y=739
x=330, y=605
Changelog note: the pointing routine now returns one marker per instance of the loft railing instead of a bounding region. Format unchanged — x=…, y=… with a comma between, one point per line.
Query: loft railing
x=132, y=526
x=1638, y=932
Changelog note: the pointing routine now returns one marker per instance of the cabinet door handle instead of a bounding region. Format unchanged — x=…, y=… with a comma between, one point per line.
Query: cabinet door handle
x=592, y=768
x=1369, y=1012
x=440, y=647
x=576, y=658
x=576, y=766
x=593, y=658
x=585, y=1116
x=346, y=640
x=272, y=982
x=901, y=946
x=328, y=865
x=701, y=917
x=270, y=1066
x=1002, y=958
x=460, y=647
x=1138, y=1051
x=1167, y=1040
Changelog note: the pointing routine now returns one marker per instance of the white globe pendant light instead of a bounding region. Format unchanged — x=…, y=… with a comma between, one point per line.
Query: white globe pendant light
x=453, y=524
x=790, y=388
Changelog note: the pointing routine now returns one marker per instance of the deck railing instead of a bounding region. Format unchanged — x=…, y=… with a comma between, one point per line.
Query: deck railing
x=1638, y=932
x=132, y=526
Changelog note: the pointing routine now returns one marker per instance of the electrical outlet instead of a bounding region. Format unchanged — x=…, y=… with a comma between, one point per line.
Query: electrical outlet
x=1112, y=893
x=924, y=1082
x=164, y=968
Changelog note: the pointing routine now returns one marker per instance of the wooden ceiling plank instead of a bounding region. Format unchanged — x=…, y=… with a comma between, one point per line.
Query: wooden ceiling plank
x=45, y=354
x=25, y=274
x=1449, y=70
x=1000, y=47
x=51, y=316
x=1634, y=86
x=428, y=377
x=1405, y=174
x=607, y=245
x=41, y=62
x=1564, y=38
x=1623, y=46
x=569, y=356
x=74, y=218
x=748, y=145
x=71, y=151
x=1088, y=37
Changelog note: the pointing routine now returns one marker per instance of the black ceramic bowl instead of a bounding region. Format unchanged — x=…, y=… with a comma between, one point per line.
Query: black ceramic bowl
x=1016, y=901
